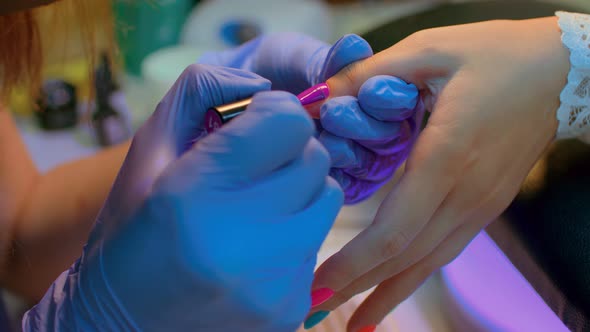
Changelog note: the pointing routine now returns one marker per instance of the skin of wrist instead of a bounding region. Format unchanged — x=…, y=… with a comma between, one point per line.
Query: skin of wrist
x=549, y=74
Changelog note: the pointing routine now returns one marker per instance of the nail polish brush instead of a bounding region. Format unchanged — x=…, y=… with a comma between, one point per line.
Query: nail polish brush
x=220, y=115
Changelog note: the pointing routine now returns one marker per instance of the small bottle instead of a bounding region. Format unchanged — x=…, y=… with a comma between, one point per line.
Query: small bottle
x=109, y=119
x=57, y=105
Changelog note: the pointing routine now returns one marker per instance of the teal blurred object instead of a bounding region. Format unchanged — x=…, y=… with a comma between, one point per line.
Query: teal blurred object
x=146, y=26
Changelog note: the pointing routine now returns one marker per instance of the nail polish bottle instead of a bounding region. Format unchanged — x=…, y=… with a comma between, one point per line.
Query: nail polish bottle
x=57, y=106
x=109, y=118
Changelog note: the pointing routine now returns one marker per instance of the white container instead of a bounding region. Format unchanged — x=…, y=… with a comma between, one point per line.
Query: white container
x=207, y=25
x=161, y=69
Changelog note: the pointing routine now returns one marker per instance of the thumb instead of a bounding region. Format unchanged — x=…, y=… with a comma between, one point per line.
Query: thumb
x=408, y=60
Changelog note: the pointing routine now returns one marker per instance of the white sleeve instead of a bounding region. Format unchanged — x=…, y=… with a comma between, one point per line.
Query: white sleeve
x=574, y=111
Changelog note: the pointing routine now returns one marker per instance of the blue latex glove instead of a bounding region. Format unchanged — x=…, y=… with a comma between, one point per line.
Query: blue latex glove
x=217, y=235
x=371, y=135
x=294, y=62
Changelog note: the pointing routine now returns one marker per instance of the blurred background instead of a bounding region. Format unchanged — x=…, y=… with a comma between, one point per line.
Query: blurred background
x=155, y=41
x=158, y=39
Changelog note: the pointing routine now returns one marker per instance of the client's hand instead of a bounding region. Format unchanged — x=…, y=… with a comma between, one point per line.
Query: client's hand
x=493, y=89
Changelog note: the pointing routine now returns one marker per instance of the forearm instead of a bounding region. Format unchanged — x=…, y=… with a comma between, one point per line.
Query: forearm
x=56, y=218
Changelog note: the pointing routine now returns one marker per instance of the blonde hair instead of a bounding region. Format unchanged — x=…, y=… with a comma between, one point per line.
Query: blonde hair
x=51, y=34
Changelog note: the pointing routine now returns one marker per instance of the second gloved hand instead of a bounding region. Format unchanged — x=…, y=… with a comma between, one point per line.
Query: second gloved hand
x=217, y=235
x=370, y=136
x=384, y=117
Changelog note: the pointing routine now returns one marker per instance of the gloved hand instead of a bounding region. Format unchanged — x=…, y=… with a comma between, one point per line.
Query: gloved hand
x=217, y=235
x=370, y=136
x=294, y=62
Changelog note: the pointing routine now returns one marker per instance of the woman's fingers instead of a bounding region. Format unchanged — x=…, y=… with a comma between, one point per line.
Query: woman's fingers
x=395, y=290
x=474, y=202
x=464, y=201
x=400, y=218
x=437, y=162
x=435, y=233
x=412, y=60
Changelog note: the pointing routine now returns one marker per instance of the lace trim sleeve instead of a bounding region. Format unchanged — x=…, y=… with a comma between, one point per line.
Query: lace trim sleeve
x=574, y=111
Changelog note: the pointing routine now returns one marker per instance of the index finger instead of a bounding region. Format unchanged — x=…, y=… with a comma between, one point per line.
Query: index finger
x=408, y=60
x=403, y=214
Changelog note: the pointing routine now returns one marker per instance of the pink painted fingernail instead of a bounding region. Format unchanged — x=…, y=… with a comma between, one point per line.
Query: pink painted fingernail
x=370, y=328
x=320, y=296
x=314, y=94
x=312, y=97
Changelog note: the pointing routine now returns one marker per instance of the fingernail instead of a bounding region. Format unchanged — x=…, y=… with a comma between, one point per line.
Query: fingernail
x=312, y=97
x=320, y=296
x=315, y=319
x=314, y=94
x=370, y=328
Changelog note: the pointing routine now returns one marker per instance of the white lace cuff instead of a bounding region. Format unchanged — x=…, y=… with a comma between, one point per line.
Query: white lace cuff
x=574, y=112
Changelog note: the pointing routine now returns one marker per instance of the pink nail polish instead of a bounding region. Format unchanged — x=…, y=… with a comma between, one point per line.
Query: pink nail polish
x=312, y=97
x=314, y=94
x=320, y=296
x=370, y=328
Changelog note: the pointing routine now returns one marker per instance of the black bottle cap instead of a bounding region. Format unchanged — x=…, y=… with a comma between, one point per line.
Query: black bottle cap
x=57, y=105
x=220, y=115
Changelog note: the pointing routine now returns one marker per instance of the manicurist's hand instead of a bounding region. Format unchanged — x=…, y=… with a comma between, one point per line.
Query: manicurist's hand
x=214, y=233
